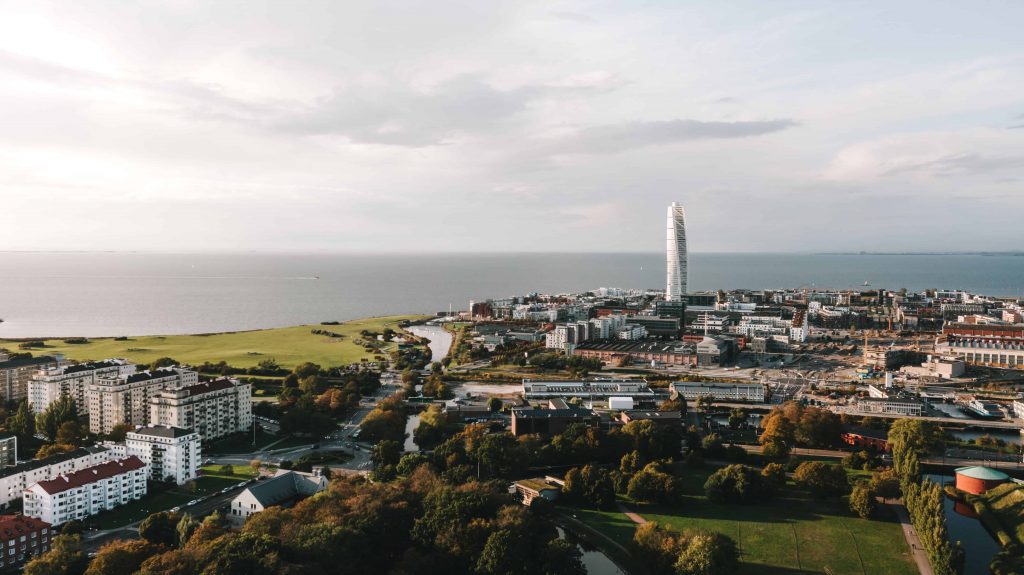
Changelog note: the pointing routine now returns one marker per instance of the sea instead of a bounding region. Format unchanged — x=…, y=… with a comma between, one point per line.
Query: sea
x=117, y=293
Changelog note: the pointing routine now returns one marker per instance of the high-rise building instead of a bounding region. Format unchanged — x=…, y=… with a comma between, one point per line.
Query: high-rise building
x=125, y=398
x=49, y=384
x=213, y=408
x=675, y=253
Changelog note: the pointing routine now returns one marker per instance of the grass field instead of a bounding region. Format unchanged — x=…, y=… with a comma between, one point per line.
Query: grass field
x=288, y=346
x=792, y=534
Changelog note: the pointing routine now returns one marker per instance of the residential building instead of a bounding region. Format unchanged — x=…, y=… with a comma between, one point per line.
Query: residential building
x=49, y=384
x=125, y=398
x=17, y=372
x=285, y=488
x=214, y=409
x=21, y=539
x=86, y=492
x=8, y=450
x=675, y=253
x=719, y=391
x=14, y=480
x=170, y=453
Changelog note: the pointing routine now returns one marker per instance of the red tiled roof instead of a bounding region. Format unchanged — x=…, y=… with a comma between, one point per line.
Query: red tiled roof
x=209, y=386
x=13, y=526
x=91, y=475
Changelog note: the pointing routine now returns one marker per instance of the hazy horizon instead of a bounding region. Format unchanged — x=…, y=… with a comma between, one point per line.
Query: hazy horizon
x=503, y=127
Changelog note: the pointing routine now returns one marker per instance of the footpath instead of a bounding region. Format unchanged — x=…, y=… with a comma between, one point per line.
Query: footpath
x=918, y=551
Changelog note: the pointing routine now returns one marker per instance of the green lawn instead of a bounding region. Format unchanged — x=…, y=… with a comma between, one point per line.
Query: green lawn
x=288, y=346
x=792, y=534
x=239, y=472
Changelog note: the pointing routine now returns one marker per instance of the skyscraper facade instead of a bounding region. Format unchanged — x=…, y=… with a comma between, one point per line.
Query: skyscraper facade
x=675, y=253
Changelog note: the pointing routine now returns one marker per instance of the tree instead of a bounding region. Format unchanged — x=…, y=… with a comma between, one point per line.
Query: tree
x=738, y=417
x=677, y=404
x=651, y=485
x=822, y=478
x=591, y=485
x=255, y=465
x=778, y=436
x=120, y=557
x=70, y=433
x=385, y=456
x=410, y=462
x=160, y=528
x=432, y=427
x=186, y=526
x=49, y=421
x=163, y=362
x=705, y=403
x=886, y=484
x=65, y=557
x=712, y=445
x=909, y=440
x=862, y=501
x=23, y=422
x=51, y=449
x=735, y=484
x=495, y=404
x=119, y=432
x=708, y=553
x=773, y=478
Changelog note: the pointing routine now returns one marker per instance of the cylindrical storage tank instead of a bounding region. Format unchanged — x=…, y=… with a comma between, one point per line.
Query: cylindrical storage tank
x=978, y=480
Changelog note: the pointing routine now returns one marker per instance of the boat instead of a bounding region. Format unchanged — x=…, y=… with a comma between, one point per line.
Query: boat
x=866, y=284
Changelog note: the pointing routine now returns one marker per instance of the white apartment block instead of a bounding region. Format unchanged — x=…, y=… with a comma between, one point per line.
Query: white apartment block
x=125, y=398
x=170, y=453
x=213, y=409
x=49, y=384
x=14, y=480
x=86, y=492
x=632, y=332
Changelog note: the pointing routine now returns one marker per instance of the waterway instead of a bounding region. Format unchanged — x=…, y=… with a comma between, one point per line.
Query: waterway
x=978, y=544
x=440, y=339
x=596, y=562
x=410, y=425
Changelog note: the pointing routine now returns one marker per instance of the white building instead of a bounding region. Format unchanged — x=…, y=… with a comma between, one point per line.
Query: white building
x=891, y=405
x=285, y=487
x=125, y=398
x=86, y=492
x=213, y=409
x=719, y=391
x=1018, y=408
x=14, y=480
x=170, y=453
x=675, y=253
x=49, y=384
x=632, y=332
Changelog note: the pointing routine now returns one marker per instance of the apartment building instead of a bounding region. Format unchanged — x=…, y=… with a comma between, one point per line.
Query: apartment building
x=14, y=480
x=17, y=372
x=86, y=492
x=125, y=398
x=21, y=539
x=8, y=450
x=170, y=453
x=213, y=409
x=49, y=384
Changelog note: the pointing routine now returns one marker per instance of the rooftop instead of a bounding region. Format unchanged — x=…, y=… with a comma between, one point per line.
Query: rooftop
x=165, y=431
x=209, y=386
x=651, y=414
x=14, y=526
x=984, y=473
x=550, y=413
x=59, y=458
x=27, y=361
x=91, y=475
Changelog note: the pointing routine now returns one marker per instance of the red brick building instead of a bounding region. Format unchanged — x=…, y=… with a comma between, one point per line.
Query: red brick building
x=867, y=438
x=22, y=538
x=978, y=480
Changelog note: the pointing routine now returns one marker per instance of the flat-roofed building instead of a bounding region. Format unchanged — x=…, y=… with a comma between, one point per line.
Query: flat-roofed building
x=125, y=398
x=894, y=405
x=989, y=345
x=663, y=352
x=86, y=492
x=666, y=418
x=719, y=391
x=15, y=373
x=49, y=384
x=549, y=422
x=170, y=453
x=594, y=389
x=214, y=408
x=530, y=489
x=8, y=450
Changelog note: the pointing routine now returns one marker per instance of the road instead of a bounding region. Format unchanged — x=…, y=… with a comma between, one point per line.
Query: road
x=936, y=461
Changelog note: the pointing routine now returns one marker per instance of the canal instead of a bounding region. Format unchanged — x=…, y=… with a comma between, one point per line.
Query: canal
x=978, y=544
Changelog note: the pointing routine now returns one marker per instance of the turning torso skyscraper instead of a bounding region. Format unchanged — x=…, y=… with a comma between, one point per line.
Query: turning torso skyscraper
x=675, y=253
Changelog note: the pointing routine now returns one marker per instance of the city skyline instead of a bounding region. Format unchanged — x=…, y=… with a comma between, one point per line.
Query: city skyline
x=676, y=269
x=532, y=126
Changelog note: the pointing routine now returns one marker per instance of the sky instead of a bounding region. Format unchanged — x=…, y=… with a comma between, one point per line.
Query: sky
x=511, y=126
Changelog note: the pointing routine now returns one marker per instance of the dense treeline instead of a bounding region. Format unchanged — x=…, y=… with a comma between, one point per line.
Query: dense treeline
x=415, y=525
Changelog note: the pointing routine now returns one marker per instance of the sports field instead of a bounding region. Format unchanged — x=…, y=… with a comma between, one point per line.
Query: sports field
x=793, y=534
x=288, y=346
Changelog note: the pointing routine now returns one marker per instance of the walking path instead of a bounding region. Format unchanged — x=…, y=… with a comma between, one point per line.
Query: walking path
x=920, y=555
x=633, y=516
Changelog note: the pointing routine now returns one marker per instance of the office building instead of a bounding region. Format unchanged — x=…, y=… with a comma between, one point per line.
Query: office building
x=675, y=253
x=14, y=480
x=21, y=539
x=549, y=422
x=214, y=409
x=17, y=372
x=86, y=492
x=49, y=384
x=125, y=398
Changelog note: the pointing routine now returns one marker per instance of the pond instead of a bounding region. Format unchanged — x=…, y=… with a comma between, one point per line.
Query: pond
x=440, y=339
x=410, y=426
x=964, y=527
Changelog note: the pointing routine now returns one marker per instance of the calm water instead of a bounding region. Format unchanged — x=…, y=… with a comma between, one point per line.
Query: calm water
x=137, y=294
x=980, y=547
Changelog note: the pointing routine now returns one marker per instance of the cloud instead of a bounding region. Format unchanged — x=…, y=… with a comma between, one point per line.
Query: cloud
x=973, y=164
x=612, y=138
